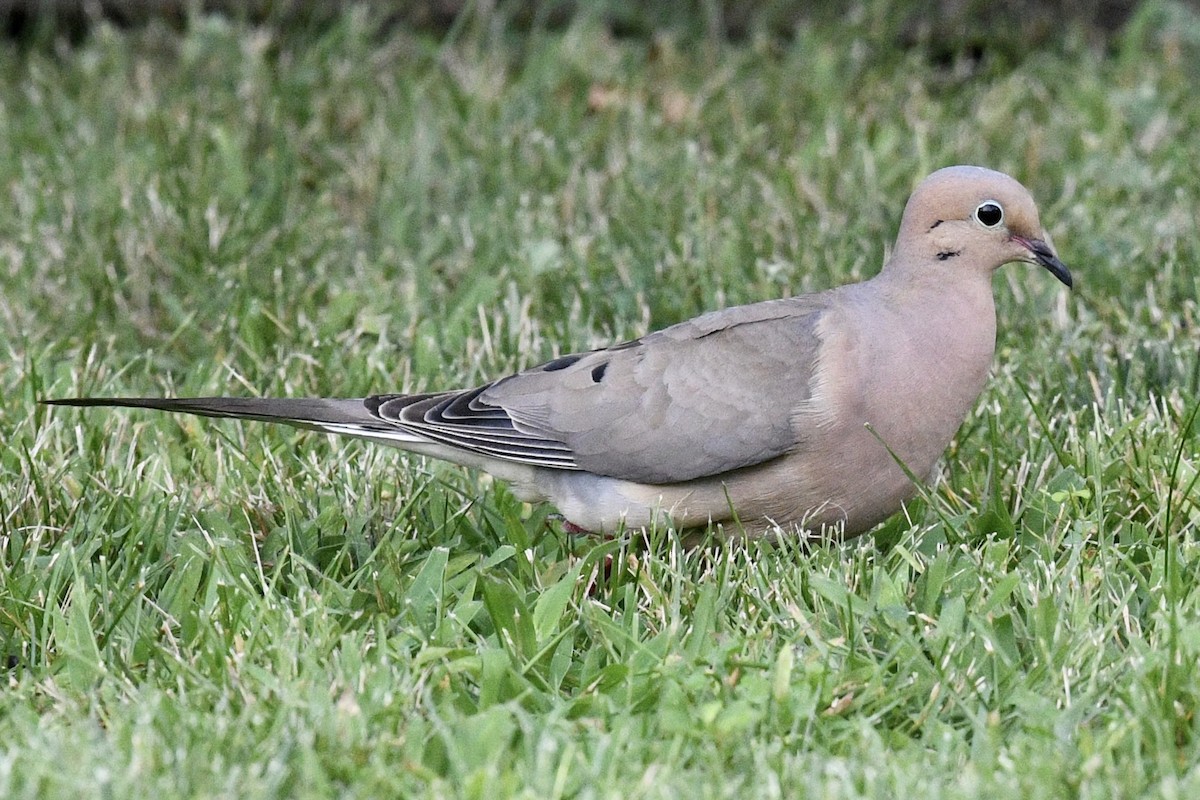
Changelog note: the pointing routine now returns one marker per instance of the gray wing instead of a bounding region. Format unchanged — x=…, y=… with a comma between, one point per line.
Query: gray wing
x=699, y=398
x=696, y=399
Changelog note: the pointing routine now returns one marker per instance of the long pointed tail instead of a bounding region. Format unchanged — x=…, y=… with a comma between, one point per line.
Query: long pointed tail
x=356, y=417
x=333, y=415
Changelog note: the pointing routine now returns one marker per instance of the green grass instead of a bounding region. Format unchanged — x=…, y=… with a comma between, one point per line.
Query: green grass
x=194, y=608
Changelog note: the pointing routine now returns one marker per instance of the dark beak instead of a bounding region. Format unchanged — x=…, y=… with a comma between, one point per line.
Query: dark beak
x=1044, y=255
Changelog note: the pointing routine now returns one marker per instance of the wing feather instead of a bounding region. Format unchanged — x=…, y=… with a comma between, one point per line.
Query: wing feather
x=701, y=398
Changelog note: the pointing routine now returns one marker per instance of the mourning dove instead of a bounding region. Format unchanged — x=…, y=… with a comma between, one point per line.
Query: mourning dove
x=803, y=414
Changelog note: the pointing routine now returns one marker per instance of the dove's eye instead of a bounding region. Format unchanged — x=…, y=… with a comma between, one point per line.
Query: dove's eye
x=989, y=214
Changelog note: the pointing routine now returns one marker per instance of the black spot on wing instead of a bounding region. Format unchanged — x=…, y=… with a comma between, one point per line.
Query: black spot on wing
x=560, y=363
x=934, y=225
x=598, y=371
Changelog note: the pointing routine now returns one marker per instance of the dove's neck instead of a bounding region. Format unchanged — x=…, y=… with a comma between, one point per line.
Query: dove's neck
x=934, y=290
x=945, y=319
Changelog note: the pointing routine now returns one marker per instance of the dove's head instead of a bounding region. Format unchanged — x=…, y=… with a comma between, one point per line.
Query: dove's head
x=977, y=218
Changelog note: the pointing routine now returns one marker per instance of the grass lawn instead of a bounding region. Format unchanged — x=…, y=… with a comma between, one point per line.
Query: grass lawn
x=212, y=609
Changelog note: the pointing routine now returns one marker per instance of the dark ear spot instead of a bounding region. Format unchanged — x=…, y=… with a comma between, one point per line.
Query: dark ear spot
x=599, y=370
x=947, y=254
x=560, y=363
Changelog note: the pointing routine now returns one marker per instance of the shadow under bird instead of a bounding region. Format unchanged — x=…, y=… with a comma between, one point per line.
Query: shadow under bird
x=790, y=415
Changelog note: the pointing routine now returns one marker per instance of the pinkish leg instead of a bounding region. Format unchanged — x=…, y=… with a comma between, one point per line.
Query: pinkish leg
x=567, y=525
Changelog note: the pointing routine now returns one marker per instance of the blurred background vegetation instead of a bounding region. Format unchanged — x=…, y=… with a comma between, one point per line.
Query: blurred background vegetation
x=945, y=25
